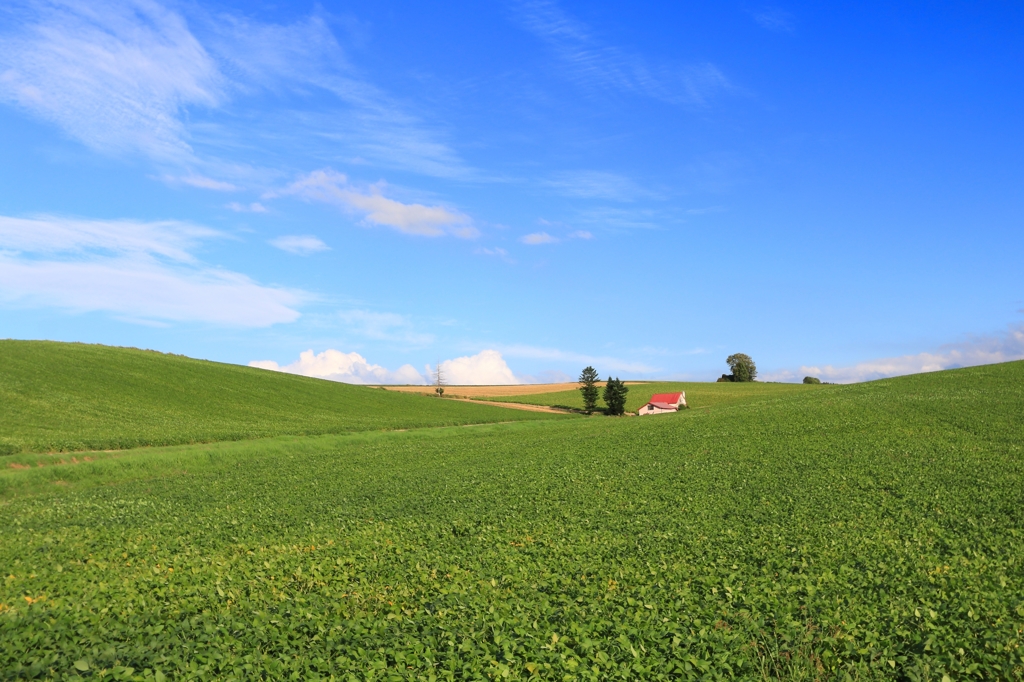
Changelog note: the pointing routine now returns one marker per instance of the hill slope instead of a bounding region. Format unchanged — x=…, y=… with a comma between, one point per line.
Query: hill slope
x=870, y=532
x=70, y=396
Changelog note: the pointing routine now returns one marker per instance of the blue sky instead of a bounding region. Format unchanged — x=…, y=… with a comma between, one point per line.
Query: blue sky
x=517, y=189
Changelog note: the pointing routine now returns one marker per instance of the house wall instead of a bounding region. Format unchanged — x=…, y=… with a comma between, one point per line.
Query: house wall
x=657, y=410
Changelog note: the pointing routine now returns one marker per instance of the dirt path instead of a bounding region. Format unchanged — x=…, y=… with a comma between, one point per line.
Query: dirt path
x=514, y=406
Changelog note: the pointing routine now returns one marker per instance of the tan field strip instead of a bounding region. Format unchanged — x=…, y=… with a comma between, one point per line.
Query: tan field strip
x=492, y=391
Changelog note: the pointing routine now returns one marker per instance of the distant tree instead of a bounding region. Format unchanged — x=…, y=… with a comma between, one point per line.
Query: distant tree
x=588, y=387
x=615, y=396
x=725, y=378
x=812, y=380
x=742, y=366
x=439, y=382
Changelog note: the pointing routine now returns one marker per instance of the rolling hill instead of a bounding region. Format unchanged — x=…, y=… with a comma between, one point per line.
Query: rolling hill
x=72, y=396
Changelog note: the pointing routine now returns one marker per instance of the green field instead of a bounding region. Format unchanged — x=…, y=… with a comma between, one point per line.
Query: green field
x=862, y=532
x=698, y=395
x=72, y=396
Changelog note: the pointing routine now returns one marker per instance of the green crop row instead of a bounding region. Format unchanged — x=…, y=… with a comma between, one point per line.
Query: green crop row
x=864, y=532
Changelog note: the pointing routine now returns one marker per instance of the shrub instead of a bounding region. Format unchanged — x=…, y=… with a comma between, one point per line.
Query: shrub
x=812, y=380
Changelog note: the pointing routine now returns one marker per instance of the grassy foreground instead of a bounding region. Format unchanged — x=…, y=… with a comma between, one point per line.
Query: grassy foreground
x=698, y=395
x=72, y=396
x=865, y=532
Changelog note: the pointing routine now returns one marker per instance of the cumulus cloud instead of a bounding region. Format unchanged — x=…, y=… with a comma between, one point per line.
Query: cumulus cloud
x=978, y=351
x=331, y=187
x=349, y=368
x=538, y=238
x=300, y=245
x=486, y=368
x=139, y=270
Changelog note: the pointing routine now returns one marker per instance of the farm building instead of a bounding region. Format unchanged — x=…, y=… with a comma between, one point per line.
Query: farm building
x=660, y=403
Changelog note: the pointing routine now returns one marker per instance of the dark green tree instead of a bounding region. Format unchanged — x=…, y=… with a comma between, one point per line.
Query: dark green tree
x=812, y=380
x=588, y=387
x=615, y=396
x=742, y=366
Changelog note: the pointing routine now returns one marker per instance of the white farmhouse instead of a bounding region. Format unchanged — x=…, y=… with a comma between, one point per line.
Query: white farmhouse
x=660, y=403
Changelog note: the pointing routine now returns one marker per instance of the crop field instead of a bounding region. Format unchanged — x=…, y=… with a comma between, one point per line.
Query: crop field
x=857, y=532
x=70, y=396
x=698, y=395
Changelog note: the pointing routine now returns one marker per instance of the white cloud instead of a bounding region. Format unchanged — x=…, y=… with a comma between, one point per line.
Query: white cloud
x=538, y=238
x=144, y=271
x=580, y=234
x=350, y=368
x=978, y=351
x=331, y=187
x=593, y=64
x=300, y=245
x=486, y=368
x=116, y=76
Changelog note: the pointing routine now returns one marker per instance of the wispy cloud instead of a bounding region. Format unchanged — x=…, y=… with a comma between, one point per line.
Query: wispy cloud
x=775, y=19
x=602, y=363
x=143, y=271
x=254, y=207
x=496, y=251
x=977, y=351
x=580, y=234
x=384, y=327
x=598, y=185
x=201, y=182
x=332, y=187
x=116, y=76
x=349, y=368
x=591, y=63
x=300, y=245
x=138, y=77
x=537, y=238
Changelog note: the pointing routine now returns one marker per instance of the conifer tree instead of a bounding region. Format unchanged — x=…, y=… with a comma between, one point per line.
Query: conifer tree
x=588, y=387
x=615, y=396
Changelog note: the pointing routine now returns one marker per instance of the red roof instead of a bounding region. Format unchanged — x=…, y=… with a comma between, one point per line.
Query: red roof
x=671, y=398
